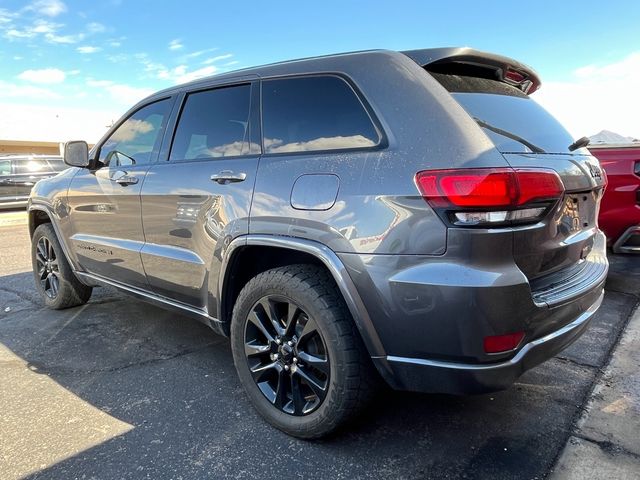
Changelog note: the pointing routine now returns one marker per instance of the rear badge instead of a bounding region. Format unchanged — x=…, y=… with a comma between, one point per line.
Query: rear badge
x=595, y=172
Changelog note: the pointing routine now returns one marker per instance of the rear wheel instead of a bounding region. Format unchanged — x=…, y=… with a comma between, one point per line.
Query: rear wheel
x=297, y=352
x=54, y=278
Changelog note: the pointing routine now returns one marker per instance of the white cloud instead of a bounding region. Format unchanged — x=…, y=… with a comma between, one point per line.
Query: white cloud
x=86, y=49
x=43, y=26
x=597, y=97
x=126, y=95
x=14, y=33
x=209, y=61
x=95, y=27
x=64, y=39
x=6, y=16
x=50, y=8
x=175, y=44
x=99, y=83
x=45, y=75
x=180, y=74
x=12, y=91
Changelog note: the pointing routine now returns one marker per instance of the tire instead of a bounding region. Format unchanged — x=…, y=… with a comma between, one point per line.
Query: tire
x=55, y=281
x=324, y=339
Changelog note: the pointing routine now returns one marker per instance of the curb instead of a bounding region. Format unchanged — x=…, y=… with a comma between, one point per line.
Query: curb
x=605, y=442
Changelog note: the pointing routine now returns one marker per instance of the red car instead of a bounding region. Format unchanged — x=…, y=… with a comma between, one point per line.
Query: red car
x=620, y=209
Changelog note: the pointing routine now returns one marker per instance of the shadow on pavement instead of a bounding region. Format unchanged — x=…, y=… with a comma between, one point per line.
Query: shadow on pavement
x=174, y=382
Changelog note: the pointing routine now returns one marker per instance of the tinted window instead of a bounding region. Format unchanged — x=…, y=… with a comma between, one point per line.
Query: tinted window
x=137, y=138
x=31, y=166
x=314, y=113
x=507, y=108
x=213, y=124
x=5, y=167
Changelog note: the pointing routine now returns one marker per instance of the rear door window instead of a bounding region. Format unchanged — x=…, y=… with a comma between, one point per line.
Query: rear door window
x=214, y=124
x=506, y=108
x=315, y=113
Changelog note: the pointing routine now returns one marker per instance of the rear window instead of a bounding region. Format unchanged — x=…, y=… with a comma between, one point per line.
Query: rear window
x=506, y=108
x=316, y=113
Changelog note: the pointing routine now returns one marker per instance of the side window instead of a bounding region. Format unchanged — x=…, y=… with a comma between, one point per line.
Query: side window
x=314, y=113
x=56, y=165
x=137, y=138
x=213, y=124
x=5, y=167
x=31, y=166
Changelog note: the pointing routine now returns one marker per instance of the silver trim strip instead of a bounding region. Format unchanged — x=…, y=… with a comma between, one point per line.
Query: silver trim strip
x=148, y=296
x=577, y=323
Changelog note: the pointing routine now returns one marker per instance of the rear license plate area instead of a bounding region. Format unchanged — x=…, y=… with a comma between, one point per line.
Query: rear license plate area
x=578, y=212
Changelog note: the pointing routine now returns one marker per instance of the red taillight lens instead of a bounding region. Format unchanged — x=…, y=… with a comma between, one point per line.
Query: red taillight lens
x=488, y=187
x=502, y=343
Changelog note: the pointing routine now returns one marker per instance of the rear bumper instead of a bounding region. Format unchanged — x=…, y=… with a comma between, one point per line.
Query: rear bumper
x=458, y=378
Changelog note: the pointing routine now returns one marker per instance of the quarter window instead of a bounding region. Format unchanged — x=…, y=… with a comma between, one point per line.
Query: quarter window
x=214, y=124
x=134, y=142
x=312, y=114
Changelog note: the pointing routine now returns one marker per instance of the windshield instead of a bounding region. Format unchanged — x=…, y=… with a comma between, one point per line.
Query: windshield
x=501, y=109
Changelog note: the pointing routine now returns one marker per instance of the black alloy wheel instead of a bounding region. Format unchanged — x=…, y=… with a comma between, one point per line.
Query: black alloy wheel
x=287, y=355
x=48, y=269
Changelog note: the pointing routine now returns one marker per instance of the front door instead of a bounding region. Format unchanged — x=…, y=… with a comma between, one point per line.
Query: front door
x=105, y=200
x=197, y=200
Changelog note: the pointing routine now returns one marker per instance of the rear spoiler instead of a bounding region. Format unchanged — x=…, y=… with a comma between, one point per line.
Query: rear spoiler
x=470, y=62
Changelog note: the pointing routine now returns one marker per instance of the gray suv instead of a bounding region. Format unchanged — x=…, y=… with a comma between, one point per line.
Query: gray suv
x=407, y=216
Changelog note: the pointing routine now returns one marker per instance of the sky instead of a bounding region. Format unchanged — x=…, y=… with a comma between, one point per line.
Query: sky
x=68, y=69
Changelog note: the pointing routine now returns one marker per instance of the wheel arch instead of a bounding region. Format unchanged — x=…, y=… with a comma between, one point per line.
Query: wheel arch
x=37, y=216
x=249, y=255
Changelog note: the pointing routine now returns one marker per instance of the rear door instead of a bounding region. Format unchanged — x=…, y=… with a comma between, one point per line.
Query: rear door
x=529, y=137
x=105, y=200
x=197, y=199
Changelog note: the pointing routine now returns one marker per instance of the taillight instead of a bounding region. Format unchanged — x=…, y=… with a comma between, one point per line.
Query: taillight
x=490, y=195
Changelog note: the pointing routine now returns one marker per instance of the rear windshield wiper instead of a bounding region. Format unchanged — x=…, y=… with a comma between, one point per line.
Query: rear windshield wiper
x=582, y=142
x=512, y=136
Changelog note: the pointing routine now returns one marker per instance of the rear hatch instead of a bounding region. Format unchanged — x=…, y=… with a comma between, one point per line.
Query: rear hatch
x=494, y=91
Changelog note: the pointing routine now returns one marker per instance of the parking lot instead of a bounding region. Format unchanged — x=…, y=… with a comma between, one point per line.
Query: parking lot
x=121, y=389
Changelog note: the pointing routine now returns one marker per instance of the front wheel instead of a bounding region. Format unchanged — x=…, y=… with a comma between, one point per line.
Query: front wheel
x=55, y=280
x=297, y=351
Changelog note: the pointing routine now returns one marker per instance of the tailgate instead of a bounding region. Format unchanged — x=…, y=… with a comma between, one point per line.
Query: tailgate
x=566, y=236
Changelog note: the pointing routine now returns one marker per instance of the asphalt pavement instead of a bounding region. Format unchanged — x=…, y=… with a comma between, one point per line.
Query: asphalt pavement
x=121, y=389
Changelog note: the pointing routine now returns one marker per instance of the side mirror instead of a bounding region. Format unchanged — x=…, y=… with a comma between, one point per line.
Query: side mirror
x=76, y=153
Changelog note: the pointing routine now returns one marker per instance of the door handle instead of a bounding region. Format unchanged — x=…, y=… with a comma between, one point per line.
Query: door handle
x=124, y=179
x=227, y=176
